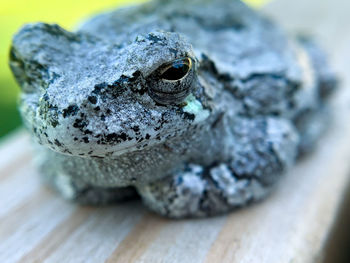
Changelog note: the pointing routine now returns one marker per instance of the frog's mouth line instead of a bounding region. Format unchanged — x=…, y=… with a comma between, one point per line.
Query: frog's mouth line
x=137, y=146
x=193, y=107
x=134, y=146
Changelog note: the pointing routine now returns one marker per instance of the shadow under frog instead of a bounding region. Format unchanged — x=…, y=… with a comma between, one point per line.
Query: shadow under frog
x=197, y=106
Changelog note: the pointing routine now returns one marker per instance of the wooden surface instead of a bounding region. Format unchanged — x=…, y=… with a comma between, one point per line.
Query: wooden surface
x=293, y=225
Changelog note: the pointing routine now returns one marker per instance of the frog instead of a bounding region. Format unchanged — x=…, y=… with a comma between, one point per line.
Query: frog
x=196, y=107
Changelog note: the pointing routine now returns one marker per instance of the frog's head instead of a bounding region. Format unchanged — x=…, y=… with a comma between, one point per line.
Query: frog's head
x=84, y=96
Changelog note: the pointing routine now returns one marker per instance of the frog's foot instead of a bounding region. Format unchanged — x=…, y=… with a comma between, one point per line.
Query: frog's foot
x=88, y=195
x=198, y=191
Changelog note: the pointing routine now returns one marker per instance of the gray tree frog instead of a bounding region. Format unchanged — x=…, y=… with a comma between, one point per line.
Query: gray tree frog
x=196, y=106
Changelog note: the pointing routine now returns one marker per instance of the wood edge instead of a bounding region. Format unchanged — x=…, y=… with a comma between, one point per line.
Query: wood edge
x=339, y=238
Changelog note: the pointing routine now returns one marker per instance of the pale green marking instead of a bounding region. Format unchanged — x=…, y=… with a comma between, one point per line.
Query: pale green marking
x=193, y=106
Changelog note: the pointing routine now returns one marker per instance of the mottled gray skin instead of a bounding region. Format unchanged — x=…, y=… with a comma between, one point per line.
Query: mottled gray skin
x=107, y=123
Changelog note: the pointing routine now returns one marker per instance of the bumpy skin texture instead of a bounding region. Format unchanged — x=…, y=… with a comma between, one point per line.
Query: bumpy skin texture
x=107, y=122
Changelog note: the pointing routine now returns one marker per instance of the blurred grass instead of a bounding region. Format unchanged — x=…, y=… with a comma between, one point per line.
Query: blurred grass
x=15, y=13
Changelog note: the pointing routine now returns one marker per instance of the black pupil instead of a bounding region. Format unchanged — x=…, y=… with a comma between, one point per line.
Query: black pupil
x=177, y=70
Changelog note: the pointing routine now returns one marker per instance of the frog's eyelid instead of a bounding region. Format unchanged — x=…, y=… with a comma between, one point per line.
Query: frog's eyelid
x=169, y=65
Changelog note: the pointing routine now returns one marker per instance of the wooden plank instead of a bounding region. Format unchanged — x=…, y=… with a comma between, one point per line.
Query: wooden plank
x=292, y=225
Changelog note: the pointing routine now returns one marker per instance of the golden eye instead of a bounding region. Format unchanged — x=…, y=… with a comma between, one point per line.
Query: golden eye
x=172, y=81
x=177, y=70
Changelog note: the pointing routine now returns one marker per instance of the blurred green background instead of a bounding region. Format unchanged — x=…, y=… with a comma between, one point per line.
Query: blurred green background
x=14, y=13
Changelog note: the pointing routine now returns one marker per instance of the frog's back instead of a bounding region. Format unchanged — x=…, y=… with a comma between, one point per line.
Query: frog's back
x=239, y=41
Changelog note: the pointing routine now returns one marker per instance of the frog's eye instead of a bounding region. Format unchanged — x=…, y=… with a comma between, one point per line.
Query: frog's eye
x=177, y=70
x=172, y=82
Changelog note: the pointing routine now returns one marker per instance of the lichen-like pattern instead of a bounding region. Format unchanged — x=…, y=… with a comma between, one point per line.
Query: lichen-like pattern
x=197, y=106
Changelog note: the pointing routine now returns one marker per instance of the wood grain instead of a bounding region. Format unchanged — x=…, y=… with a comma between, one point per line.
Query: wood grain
x=294, y=224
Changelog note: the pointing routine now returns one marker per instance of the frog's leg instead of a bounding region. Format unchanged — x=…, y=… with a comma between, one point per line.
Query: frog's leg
x=71, y=188
x=313, y=121
x=196, y=191
x=311, y=125
x=326, y=78
x=91, y=195
x=264, y=149
x=87, y=194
